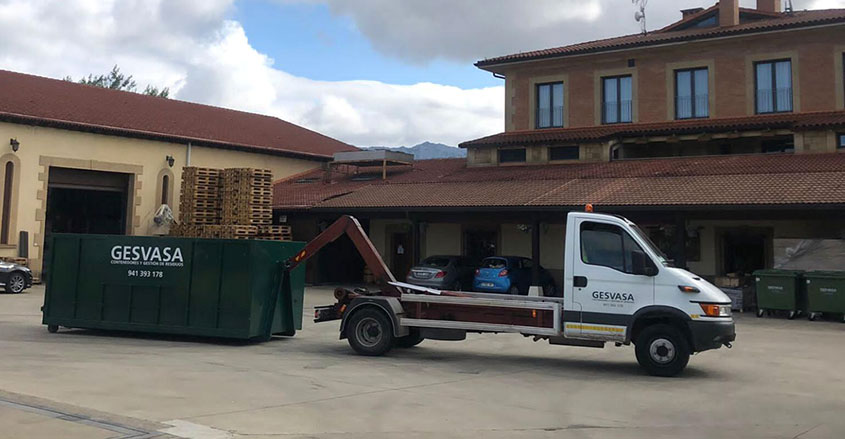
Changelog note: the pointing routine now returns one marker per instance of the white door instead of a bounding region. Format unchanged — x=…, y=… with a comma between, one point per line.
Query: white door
x=604, y=284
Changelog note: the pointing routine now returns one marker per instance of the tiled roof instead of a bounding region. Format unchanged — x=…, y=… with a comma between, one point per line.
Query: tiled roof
x=731, y=180
x=667, y=35
x=792, y=121
x=63, y=104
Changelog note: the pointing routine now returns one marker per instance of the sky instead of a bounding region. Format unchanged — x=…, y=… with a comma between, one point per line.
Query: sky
x=367, y=72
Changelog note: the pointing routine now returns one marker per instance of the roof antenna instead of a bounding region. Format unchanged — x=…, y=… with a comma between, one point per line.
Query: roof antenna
x=639, y=15
x=788, y=6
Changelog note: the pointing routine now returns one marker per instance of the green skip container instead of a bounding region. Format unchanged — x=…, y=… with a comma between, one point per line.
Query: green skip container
x=184, y=286
x=780, y=290
x=825, y=293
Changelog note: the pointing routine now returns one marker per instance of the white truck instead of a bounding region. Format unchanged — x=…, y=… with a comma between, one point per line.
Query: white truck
x=617, y=287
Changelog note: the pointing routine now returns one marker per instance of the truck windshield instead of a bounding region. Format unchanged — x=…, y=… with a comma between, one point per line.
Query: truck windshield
x=660, y=255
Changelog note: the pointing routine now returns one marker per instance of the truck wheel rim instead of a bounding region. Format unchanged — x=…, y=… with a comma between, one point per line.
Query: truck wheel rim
x=17, y=283
x=662, y=351
x=368, y=331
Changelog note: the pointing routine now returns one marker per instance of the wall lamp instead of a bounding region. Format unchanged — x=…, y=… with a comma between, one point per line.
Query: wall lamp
x=170, y=160
x=14, y=144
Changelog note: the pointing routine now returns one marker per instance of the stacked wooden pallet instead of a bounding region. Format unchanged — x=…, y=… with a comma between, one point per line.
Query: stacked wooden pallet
x=200, y=199
x=247, y=197
x=231, y=203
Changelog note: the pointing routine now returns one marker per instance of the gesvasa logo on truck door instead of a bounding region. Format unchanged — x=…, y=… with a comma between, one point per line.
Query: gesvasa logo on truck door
x=606, y=296
x=147, y=255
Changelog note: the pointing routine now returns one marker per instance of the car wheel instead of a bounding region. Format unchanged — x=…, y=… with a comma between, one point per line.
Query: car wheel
x=16, y=283
x=457, y=287
x=52, y=329
x=370, y=332
x=662, y=350
x=412, y=339
x=513, y=290
x=760, y=312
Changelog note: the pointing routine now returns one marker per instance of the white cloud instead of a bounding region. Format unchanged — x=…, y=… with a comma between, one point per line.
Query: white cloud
x=191, y=46
x=202, y=56
x=469, y=30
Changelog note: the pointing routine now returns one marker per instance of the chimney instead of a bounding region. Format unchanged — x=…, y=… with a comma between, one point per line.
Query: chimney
x=728, y=13
x=769, y=5
x=692, y=11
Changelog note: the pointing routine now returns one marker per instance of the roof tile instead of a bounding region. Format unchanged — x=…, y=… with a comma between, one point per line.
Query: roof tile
x=37, y=100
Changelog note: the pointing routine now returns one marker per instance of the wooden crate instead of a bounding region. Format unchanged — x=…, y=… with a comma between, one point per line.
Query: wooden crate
x=197, y=171
x=15, y=260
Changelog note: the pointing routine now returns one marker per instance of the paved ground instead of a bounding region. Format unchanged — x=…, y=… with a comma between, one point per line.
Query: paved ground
x=783, y=379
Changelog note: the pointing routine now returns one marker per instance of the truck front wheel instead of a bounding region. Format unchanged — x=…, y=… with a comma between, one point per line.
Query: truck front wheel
x=662, y=350
x=369, y=332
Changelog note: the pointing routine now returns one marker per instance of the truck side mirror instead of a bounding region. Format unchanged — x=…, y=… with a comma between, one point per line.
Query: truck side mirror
x=642, y=265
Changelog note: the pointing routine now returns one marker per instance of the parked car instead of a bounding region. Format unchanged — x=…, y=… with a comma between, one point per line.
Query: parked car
x=443, y=272
x=511, y=275
x=15, y=278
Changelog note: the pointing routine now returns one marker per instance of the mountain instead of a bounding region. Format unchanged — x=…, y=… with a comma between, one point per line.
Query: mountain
x=428, y=151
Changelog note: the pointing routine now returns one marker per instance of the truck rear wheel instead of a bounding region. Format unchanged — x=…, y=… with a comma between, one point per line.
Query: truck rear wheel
x=369, y=332
x=412, y=339
x=662, y=350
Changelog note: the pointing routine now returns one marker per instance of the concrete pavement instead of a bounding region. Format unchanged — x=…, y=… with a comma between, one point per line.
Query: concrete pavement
x=782, y=379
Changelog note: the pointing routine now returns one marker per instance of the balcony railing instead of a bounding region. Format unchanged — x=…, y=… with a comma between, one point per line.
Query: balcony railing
x=777, y=100
x=688, y=107
x=550, y=117
x=617, y=111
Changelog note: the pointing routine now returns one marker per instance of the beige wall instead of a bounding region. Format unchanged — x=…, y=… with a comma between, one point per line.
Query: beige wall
x=708, y=265
x=41, y=148
x=442, y=239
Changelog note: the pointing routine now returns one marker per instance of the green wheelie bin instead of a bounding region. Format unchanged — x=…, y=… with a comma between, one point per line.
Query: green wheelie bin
x=222, y=288
x=825, y=293
x=780, y=290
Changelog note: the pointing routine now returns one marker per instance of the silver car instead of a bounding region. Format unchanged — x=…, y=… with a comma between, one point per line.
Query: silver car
x=444, y=272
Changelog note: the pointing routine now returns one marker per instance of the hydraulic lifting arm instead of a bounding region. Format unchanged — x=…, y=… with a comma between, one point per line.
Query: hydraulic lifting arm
x=351, y=227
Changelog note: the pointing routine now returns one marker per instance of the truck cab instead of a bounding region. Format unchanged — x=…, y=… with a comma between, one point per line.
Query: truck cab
x=618, y=286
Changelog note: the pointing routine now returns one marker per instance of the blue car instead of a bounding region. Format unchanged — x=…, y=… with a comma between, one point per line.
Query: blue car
x=510, y=275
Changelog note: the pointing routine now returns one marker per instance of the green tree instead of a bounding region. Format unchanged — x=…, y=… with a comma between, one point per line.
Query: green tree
x=116, y=80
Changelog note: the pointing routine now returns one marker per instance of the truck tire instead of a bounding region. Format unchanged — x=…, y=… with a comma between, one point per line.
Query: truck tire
x=662, y=350
x=412, y=339
x=370, y=332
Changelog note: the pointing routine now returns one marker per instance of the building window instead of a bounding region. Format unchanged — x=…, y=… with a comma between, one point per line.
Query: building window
x=692, y=97
x=773, y=86
x=8, y=181
x=564, y=153
x=840, y=141
x=550, y=105
x=165, y=185
x=617, y=99
x=512, y=155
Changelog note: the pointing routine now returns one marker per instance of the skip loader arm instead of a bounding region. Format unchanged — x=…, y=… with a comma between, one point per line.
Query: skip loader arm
x=350, y=226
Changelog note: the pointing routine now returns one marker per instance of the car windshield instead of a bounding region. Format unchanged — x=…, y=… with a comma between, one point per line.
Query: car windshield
x=660, y=255
x=494, y=263
x=435, y=262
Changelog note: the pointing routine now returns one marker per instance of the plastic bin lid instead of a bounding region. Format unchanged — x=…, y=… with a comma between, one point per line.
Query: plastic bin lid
x=777, y=272
x=826, y=274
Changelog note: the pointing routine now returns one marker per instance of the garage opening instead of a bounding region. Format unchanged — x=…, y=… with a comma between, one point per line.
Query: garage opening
x=81, y=201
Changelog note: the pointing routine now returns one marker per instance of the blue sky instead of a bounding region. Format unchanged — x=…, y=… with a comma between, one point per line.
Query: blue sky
x=306, y=39
x=366, y=72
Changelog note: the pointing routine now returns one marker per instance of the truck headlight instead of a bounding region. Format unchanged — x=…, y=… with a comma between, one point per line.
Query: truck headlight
x=716, y=310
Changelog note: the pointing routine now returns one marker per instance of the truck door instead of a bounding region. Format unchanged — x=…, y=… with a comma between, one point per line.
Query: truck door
x=604, y=284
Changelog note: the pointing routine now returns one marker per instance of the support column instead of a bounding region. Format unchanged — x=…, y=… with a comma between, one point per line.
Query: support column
x=536, y=288
x=680, y=247
x=416, y=239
